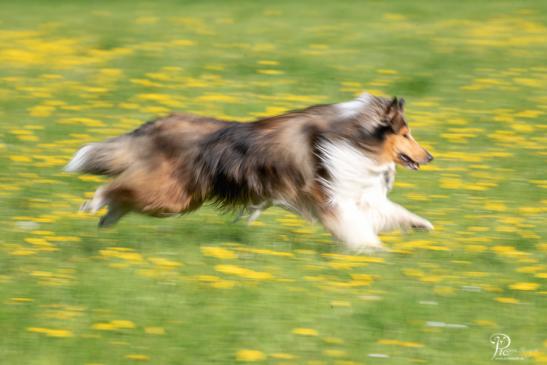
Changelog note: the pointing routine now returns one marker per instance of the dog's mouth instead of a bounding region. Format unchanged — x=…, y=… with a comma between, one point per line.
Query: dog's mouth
x=408, y=162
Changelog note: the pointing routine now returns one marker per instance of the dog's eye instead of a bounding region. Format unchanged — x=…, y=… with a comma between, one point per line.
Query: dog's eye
x=406, y=135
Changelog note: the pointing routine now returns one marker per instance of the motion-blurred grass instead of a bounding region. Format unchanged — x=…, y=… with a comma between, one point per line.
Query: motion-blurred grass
x=200, y=289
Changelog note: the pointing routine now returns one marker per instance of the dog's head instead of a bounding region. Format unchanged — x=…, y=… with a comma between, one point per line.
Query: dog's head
x=398, y=144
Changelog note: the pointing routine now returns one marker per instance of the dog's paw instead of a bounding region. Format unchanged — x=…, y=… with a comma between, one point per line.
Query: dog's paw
x=86, y=207
x=422, y=225
x=368, y=249
x=373, y=250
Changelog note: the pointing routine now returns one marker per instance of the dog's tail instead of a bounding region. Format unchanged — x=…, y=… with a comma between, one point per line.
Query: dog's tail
x=104, y=158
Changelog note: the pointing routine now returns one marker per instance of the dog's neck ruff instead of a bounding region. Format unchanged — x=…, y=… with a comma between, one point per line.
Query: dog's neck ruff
x=353, y=175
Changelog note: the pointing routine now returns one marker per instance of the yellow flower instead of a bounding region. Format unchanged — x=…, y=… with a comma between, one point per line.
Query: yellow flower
x=243, y=272
x=270, y=72
x=249, y=355
x=21, y=300
x=263, y=251
x=113, y=325
x=524, y=286
x=305, y=331
x=219, y=98
x=59, y=333
x=122, y=253
x=443, y=290
x=164, y=263
x=123, y=324
x=51, y=332
x=485, y=323
x=16, y=158
x=340, y=303
x=282, y=356
x=154, y=330
x=137, y=357
x=101, y=326
x=334, y=353
x=218, y=252
x=333, y=340
x=353, y=258
x=399, y=343
x=362, y=279
x=507, y=300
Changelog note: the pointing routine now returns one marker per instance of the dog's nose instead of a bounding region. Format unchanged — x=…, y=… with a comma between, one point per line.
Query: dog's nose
x=429, y=157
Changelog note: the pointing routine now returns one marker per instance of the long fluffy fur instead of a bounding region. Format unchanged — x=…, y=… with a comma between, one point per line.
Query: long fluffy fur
x=333, y=163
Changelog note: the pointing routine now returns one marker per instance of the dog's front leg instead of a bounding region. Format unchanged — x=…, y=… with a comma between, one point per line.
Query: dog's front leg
x=393, y=216
x=351, y=225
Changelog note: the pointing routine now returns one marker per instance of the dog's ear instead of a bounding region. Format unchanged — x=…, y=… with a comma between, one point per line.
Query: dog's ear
x=394, y=113
x=401, y=105
x=394, y=107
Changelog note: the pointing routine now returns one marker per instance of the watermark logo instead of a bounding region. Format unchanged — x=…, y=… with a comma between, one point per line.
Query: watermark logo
x=502, y=350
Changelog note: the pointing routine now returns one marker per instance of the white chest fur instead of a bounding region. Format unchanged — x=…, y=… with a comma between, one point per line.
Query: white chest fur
x=354, y=176
x=357, y=190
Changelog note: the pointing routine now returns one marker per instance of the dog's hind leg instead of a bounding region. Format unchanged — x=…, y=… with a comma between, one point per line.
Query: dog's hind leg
x=98, y=201
x=114, y=214
x=254, y=211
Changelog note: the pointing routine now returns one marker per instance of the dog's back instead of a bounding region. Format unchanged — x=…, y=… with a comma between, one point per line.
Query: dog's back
x=172, y=165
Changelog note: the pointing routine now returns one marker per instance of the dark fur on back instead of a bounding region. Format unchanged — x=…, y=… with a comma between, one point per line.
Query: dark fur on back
x=234, y=166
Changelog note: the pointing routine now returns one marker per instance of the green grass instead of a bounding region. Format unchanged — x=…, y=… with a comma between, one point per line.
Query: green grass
x=474, y=77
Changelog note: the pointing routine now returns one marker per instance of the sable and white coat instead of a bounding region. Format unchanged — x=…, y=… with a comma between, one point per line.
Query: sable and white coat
x=332, y=163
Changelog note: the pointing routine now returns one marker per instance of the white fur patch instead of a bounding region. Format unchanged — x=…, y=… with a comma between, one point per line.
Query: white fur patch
x=355, y=176
x=358, y=196
x=79, y=159
x=352, y=108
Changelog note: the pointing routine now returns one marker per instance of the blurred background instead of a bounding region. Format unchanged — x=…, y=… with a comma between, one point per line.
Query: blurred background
x=200, y=289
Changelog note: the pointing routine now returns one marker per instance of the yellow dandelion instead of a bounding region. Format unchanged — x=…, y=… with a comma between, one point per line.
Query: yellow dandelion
x=395, y=342
x=243, y=272
x=137, y=357
x=21, y=300
x=60, y=333
x=485, y=323
x=164, y=263
x=524, y=286
x=223, y=284
x=282, y=356
x=333, y=340
x=102, y=326
x=334, y=353
x=154, y=330
x=123, y=324
x=507, y=300
x=270, y=72
x=340, y=303
x=250, y=355
x=305, y=331
x=262, y=251
x=18, y=158
x=218, y=252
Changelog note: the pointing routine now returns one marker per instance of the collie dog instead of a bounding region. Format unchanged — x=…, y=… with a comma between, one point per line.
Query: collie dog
x=332, y=163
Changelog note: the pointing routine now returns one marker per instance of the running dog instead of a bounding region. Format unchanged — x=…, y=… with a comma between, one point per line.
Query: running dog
x=333, y=163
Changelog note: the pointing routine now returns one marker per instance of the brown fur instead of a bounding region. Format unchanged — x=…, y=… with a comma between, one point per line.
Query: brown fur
x=174, y=164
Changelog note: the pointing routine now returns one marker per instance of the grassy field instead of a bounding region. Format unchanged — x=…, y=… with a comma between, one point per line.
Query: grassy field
x=200, y=289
